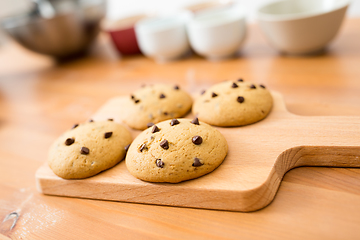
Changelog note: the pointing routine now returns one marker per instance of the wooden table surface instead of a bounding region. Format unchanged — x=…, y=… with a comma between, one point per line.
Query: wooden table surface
x=40, y=99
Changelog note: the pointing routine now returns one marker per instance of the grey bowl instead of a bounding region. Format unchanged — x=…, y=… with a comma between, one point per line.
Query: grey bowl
x=68, y=32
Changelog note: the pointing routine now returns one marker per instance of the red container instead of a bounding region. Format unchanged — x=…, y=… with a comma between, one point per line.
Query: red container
x=122, y=34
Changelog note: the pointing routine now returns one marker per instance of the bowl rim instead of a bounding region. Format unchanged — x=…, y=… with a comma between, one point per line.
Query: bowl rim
x=154, y=23
x=296, y=16
x=233, y=13
x=120, y=24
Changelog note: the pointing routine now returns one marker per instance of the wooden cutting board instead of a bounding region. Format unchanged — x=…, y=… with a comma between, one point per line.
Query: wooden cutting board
x=259, y=156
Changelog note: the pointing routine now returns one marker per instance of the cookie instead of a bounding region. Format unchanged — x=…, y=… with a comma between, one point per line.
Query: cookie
x=176, y=150
x=155, y=103
x=88, y=149
x=233, y=103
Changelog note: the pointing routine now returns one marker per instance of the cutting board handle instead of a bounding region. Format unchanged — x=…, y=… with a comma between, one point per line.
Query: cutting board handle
x=320, y=156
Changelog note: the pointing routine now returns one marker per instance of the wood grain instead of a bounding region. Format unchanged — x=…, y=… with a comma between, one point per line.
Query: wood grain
x=40, y=99
x=2, y=237
x=259, y=156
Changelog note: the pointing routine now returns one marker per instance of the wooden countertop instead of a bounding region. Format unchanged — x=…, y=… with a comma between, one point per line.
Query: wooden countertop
x=40, y=99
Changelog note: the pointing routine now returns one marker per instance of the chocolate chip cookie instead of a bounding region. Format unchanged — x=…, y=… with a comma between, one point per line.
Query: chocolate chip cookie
x=176, y=150
x=155, y=103
x=233, y=103
x=88, y=149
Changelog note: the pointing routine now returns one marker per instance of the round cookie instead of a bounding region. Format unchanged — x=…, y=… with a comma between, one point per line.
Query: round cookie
x=176, y=150
x=88, y=149
x=156, y=103
x=233, y=103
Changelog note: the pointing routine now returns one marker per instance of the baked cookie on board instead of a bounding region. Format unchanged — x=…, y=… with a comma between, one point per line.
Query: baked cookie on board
x=176, y=150
x=88, y=148
x=233, y=103
x=156, y=103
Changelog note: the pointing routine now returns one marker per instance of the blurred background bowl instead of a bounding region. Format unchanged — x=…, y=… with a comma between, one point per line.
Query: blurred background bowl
x=218, y=33
x=59, y=28
x=122, y=33
x=301, y=26
x=164, y=37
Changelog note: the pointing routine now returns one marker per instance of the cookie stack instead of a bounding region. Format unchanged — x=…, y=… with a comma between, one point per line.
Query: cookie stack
x=171, y=148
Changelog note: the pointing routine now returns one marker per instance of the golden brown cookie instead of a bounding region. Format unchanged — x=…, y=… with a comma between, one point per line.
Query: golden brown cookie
x=233, y=103
x=176, y=150
x=88, y=149
x=156, y=103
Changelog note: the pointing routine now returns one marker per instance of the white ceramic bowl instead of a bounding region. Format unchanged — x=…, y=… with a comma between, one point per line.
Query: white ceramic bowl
x=217, y=33
x=301, y=26
x=164, y=37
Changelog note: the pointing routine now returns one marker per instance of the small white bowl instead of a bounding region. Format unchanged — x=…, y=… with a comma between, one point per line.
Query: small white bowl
x=164, y=37
x=217, y=33
x=301, y=26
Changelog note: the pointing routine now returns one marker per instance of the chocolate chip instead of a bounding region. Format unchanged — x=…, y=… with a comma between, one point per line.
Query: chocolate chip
x=240, y=99
x=240, y=80
x=155, y=129
x=127, y=147
x=142, y=147
x=174, y=122
x=137, y=101
x=214, y=95
x=164, y=144
x=234, y=85
x=150, y=124
x=197, y=162
x=75, y=126
x=176, y=87
x=110, y=119
x=69, y=141
x=262, y=86
x=132, y=97
x=165, y=113
x=108, y=134
x=159, y=163
x=252, y=86
x=162, y=96
x=197, y=140
x=195, y=121
x=202, y=92
x=84, y=150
